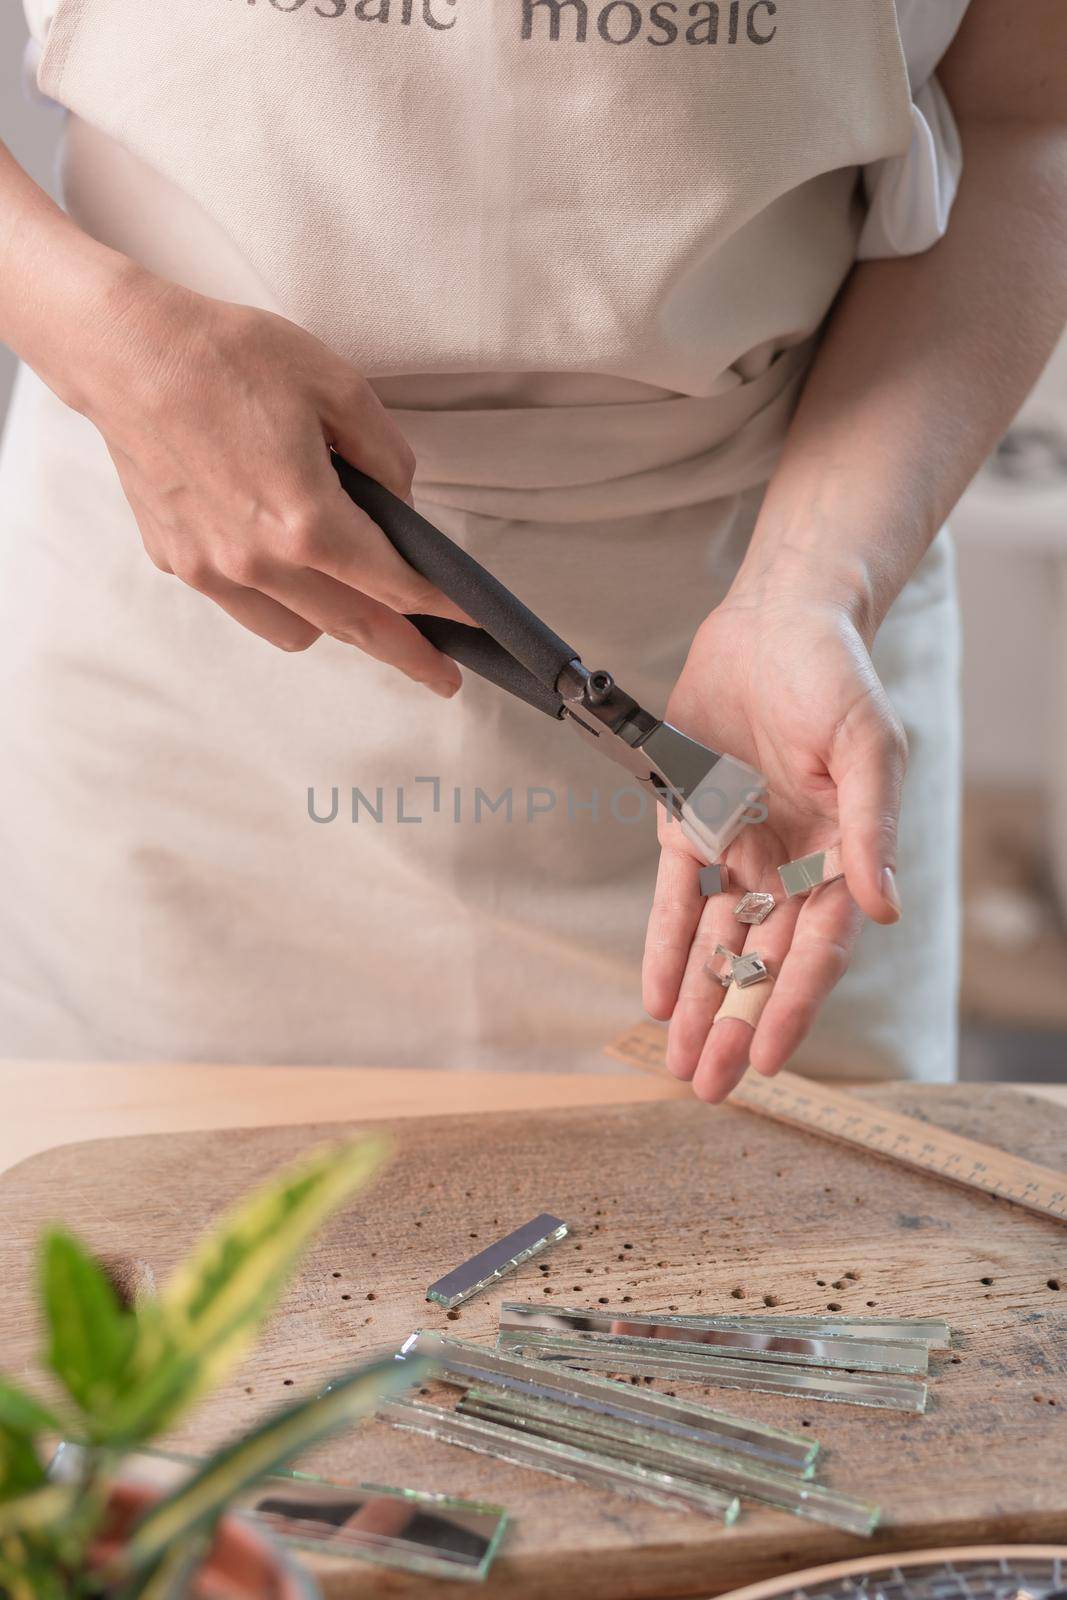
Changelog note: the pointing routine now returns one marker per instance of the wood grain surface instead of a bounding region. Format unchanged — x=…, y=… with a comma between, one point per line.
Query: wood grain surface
x=673, y=1207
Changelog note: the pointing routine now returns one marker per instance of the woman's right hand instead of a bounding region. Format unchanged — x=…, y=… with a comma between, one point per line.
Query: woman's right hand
x=219, y=419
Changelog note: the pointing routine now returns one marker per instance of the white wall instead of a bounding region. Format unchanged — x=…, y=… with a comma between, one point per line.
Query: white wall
x=1012, y=544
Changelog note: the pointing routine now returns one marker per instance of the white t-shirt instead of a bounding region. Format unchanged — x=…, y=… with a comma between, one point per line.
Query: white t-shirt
x=909, y=197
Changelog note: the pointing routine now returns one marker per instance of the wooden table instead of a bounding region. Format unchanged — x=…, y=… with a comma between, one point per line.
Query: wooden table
x=672, y=1203
x=49, y=1103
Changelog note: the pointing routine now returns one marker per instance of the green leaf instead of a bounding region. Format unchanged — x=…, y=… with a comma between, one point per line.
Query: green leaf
x=37, y=1510
x=92, y=1337
x=20, y=1466
x=28, y=1575
x=211, y=1310
x=196, y=1503
x=20, y=1411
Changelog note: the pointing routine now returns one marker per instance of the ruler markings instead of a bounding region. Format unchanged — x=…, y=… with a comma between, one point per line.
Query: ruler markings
x=829, y=1112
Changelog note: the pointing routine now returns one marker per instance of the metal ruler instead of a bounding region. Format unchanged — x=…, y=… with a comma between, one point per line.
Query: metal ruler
x=831, y=1113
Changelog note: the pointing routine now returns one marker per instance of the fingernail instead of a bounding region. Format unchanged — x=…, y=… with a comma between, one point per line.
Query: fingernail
x=889, y=890
x=442, y=686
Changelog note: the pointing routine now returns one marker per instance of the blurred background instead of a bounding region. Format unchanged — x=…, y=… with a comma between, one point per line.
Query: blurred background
x=1011, y=532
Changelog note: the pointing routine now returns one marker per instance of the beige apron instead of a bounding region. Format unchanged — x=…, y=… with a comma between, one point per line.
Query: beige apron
x=582, y=250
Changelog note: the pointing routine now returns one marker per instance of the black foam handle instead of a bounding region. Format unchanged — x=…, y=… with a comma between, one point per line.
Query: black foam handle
x=474, y=648
x=432, y=553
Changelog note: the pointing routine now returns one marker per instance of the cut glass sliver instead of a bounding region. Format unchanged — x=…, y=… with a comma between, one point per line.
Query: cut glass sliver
x=637, y=1437
x=710, y=1344
x=881, y=1390
x=562, y=1460
x=719, y=1468
x=463, y=1363
x=930, y=1331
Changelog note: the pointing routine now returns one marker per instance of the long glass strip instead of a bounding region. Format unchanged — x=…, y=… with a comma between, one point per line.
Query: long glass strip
x=930, y=1331
x=463, y=1363
x=719, y=1468
x=710, y=1344
x=561, y=1460
x=497, y=1259
x=639, y=1439
x=431, y=1535
x=886, y=1391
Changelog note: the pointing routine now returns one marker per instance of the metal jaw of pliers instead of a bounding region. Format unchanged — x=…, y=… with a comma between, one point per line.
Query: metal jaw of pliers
x=709, y=793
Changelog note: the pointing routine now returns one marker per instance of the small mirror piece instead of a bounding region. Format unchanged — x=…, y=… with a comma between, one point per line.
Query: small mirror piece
x=492, y=1263
x=749, y=969
x=806, y=873
x=723, y=975
x=714, y=879
x=743, y=970
x=431, y=1535
x=754, y=907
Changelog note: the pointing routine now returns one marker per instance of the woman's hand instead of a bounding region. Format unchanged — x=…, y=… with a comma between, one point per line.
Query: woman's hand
x=790, y=688
x=219, y=420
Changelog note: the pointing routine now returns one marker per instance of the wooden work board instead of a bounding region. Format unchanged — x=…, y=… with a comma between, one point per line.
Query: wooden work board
x=672, y=1207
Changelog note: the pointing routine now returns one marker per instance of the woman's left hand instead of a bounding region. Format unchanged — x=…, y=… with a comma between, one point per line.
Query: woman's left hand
x=790, y=688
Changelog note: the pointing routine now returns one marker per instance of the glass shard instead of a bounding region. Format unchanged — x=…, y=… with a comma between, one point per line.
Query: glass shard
x=930, y=1331
x=526, y=1327
x=431, y=1535
x=640, y=1439
x=718, y=1468
x=434, y=1535
x=754, y=908
x=492, y=1263
x=883, y=1390
x=714, y=879
x=561, y=1460
x=749, y=969
x=806, y=873
x=462, y=1363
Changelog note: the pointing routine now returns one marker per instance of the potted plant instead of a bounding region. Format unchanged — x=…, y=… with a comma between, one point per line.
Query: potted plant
x=125, y=1373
